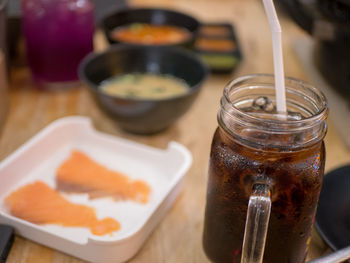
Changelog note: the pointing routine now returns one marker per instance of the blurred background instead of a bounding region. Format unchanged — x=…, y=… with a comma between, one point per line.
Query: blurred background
x=316, y=48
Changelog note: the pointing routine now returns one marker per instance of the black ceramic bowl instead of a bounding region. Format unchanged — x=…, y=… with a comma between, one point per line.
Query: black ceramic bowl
x=143, y=116
x=150, y=16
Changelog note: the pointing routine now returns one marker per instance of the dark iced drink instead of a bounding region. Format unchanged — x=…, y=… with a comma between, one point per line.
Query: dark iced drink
x=288, y=156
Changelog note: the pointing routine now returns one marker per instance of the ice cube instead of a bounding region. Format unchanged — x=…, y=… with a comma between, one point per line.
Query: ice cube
x=263, y=103
x=295, y=116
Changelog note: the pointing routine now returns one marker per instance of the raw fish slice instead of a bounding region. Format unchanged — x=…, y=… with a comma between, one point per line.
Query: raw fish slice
x=40, y=204
x=80, y=174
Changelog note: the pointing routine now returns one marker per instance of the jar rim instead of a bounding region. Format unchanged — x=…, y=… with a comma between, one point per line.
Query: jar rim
x=276, y=124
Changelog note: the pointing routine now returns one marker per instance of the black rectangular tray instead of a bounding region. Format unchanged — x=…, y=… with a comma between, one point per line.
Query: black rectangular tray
x=220, y=61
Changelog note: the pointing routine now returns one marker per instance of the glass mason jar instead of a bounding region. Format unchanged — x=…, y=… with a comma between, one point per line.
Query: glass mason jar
x=265, y=172
x=58, y=34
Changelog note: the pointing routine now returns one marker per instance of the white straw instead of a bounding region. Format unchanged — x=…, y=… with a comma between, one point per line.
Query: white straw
x=276, y=32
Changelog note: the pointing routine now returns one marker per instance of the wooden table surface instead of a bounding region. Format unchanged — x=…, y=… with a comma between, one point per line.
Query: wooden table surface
x=178, y=236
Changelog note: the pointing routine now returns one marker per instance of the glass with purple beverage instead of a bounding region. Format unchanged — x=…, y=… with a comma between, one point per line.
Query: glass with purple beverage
x=58, y=34
x=265, y=172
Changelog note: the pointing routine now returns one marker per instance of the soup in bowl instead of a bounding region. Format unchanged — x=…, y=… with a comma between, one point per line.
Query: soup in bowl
x=150, y=26
x=144, y=89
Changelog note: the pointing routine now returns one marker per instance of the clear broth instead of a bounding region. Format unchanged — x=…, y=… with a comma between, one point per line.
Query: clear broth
x=144, y=86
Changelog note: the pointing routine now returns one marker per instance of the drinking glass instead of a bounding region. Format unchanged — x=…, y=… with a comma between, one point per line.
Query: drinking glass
x=58, y=34
x=265, y=172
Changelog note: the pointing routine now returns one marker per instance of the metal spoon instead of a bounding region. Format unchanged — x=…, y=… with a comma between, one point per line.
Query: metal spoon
x=336, y=257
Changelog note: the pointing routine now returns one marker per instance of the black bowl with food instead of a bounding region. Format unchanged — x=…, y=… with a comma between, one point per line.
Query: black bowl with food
x=144, y=88
x=150, y=26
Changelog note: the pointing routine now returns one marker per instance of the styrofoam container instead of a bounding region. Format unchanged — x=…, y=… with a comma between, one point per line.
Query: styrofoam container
x=39, y=158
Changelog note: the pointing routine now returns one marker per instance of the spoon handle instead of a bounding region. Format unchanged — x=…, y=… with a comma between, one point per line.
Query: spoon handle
x=336, y=257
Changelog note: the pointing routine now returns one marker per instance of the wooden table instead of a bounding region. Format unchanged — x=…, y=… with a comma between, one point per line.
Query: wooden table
x=178, y=237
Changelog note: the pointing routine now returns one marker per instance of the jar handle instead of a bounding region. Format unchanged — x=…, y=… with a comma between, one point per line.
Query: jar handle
x=256, y=225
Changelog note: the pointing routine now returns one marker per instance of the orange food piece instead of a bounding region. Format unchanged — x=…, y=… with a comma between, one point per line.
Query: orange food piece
x=150, y=34
x=81, y=174
x=40, y=204
x=215, y=44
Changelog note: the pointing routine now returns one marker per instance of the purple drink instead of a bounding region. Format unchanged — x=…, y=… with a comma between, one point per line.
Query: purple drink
x=59, y=33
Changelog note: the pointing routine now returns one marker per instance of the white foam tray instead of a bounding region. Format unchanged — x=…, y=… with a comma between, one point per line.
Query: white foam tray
x=39, y=158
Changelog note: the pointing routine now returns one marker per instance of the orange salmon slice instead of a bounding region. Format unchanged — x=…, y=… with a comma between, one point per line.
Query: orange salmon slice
x=80, y=174
x=40, y=204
